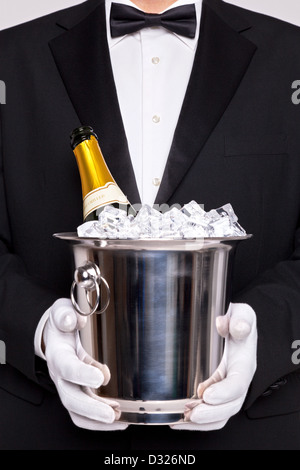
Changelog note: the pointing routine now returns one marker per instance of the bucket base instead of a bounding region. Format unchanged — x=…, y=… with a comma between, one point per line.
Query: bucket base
x=152, y=412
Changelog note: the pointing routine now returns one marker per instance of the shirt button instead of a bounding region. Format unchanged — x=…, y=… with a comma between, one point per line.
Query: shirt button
x=156, y=119
x=156, y=181
x=155, y=60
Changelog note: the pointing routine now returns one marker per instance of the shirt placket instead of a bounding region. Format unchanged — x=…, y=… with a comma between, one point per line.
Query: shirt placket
x=152, y=115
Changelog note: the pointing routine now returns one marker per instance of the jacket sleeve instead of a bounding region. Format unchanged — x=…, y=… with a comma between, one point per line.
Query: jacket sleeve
x=275, y=297
x=23, y=299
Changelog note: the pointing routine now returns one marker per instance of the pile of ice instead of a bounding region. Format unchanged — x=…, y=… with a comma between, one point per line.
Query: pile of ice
x=191, y=221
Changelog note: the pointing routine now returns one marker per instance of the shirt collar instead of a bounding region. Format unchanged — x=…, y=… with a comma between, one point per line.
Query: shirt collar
x=190, y=42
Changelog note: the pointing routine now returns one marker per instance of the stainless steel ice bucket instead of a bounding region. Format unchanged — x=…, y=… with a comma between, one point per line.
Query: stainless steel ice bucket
x=156, y=331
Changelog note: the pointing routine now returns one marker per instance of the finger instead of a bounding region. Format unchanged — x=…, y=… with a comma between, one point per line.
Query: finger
x=76, y=401
x=239, y=329
x=94, y=425
x=215, y=377
x=81, y=321
x=189, y=408
x=65, y=318
x=63, y=315
x=188, y=426
x=85, y=357
x=67, y=322
x=228, y=390
x=243, y=321
x=222, y=325
x=70, y=368
x=113, y=404
x=205, y=414
x=102, y=367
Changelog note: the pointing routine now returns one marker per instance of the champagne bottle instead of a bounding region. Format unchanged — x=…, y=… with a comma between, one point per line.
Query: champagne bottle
x=99, y=188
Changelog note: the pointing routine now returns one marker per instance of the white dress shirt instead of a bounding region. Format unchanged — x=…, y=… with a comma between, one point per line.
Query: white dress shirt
x=151, y=69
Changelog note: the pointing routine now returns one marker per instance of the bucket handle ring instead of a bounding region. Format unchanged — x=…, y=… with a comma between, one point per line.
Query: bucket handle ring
x=89, y=278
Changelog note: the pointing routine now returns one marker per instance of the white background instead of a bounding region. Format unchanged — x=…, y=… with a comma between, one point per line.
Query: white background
x=13, y=12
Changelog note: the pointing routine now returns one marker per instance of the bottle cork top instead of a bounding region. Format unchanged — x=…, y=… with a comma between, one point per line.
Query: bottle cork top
x=80, y=134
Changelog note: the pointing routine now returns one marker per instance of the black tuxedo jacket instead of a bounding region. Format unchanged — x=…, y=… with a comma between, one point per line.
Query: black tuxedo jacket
x=237, y=140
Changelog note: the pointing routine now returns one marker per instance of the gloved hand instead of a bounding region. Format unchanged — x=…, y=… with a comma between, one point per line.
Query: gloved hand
x=223, y=394
x=74, y=372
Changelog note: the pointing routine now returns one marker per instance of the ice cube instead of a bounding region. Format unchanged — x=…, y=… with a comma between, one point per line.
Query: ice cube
x=193, y=208
x=189, y=222
x=227, y=210
x=148, y=220
x=224, y=222
x=91, y=229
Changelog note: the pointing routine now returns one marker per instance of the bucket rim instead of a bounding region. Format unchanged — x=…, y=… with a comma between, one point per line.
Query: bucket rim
x=150, y=243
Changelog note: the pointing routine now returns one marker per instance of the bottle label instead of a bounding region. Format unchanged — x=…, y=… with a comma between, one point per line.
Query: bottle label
x=108, y=194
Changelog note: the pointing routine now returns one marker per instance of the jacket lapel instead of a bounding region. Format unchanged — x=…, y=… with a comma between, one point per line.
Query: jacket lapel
x=82, y=58
x=222, y=58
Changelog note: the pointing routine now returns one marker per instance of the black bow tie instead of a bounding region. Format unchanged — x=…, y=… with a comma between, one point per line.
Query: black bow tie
x=125, y=20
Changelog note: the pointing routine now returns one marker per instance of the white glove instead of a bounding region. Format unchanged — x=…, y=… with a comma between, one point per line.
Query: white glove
x=74, y=372
x=223, y=394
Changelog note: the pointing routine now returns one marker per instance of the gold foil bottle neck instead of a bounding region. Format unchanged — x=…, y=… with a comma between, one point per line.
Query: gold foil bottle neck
x=99, y=188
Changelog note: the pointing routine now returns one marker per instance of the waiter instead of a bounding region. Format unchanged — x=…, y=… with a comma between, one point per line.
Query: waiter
x=199, y=111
